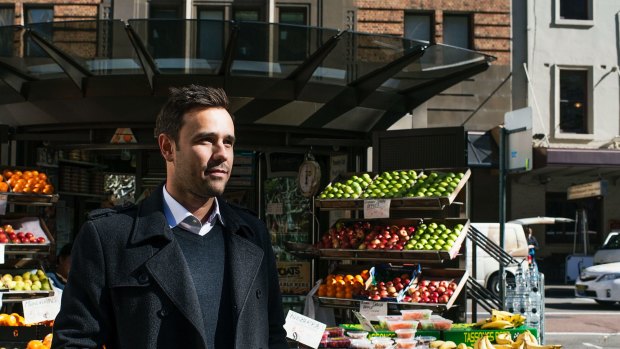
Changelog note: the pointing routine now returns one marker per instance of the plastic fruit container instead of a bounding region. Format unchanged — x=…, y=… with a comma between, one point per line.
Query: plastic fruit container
x=405, y=333
x=325, y=335
x=408, y=343
x=361, y=344
x=401, y=324
x=425, y=340
x=416, y=314
x=338, y=342
x=381, y=343
x=383, y=319
x=357, y=334
x=442, y=324
x=335, y=331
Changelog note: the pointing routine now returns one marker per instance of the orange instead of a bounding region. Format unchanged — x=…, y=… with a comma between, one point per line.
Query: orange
x=47, y=341
x=42, y=176
x=4, y=187
x=35, y=344
x=27, y=174
x=49, y=189
x=322, y=290
x=1, y=178
x=11, y=321
x=7, y=173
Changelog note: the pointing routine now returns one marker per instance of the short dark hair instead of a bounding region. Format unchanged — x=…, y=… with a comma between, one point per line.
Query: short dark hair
x=65, y=251
x=184, y=99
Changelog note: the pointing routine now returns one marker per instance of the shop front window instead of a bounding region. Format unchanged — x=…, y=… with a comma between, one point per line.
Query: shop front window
x=557, y=205
x=38, y=15
x=457, y=30
x=419, y=26
x=574, y=106
x=165, y=37
x=7, y=15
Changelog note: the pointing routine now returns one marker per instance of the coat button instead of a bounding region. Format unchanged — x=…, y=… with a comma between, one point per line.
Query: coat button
x=259, y=293
x=143, y=278
x=163, y=312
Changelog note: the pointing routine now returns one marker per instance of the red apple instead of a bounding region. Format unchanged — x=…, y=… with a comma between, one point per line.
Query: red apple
x=41, y=240
x=29, y=235
x=444, y=299
x=444, y=283
x=424, y=283
x=453, y=285
x=20, y=235
x=441, y=289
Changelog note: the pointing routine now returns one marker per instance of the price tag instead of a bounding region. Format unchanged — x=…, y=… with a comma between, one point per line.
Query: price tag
x=41, y=309
x=377, y=208
x=371, y=310
x=3, y=203
x=366, y=325
x=274, y=208
x=304, y=329
x=2, y=246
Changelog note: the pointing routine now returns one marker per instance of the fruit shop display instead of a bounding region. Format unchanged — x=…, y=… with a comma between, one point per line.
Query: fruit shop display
x=28, y=181
x=435, y=184
x=46, y=343
x=364, y=235
x=390, y=184
x=431, y=291
x=394, y=184
x=350, y=188
x=525, y=340
x=343, y=286
x=387, y=290
x=35, y=280
x=501, y=320
x=9, y=235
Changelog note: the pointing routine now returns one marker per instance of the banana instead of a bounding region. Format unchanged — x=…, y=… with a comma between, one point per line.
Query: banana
x=448, y=345
x=500, y=315
x=539, y=346
x=503, y=346
x=503, y=338
x=481, y=322
x=436, y=344
x=488, y=343
x=533, y=338
x=479, y=344
x=498, y=324
x=461, y=346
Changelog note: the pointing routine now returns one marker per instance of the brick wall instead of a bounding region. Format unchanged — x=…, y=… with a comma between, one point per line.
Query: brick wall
x=491, y=20
x=64, y=10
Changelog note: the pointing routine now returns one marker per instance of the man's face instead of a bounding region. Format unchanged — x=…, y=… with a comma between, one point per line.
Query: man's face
x=203, y=155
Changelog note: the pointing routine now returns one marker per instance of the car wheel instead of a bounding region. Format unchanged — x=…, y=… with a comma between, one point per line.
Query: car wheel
x=493, y=283
x=605, y=303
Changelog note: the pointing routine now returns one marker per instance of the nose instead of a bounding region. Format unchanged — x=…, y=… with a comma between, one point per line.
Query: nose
x=221, y=152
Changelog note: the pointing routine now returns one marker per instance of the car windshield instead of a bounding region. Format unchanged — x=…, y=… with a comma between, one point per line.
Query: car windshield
x=614, y=242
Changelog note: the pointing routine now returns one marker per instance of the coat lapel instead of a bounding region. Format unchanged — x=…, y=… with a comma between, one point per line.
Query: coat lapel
x=167, y=265
x=245, y=259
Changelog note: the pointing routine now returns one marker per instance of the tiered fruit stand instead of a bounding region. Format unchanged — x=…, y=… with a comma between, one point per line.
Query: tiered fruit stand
x=355, y=200
x=19, y=258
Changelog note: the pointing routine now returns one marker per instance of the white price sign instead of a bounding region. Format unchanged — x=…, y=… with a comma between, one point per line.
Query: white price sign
x=304, y=329
x=2, y=254
x=41, y=309
x=371, y=310
x=377, y=208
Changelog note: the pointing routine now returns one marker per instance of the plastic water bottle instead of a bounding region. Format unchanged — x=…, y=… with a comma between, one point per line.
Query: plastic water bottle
x=533, y=320
x=534, y=279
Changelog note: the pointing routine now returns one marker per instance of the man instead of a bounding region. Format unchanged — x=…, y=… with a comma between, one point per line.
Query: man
x=532, y=245
x=183, y=269
x=59, y=277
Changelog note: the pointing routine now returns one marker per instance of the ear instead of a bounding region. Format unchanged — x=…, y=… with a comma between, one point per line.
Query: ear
x=166, y=146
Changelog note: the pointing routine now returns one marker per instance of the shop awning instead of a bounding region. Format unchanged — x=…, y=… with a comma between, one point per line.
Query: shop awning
x=110, y=72
x=566, y=162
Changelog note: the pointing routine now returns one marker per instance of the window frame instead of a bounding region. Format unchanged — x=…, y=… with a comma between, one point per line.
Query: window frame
x=258, y=9
x=432, y=23
x=559, y=21
x=589, y=135
x=470, y=27
x=165, y=6
x=300, y=8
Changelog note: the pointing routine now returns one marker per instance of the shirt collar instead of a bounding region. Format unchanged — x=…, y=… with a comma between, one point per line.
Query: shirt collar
x=175, y=212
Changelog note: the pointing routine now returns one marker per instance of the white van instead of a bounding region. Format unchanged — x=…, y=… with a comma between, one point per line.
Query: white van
x=610, y=251
x=487, y=268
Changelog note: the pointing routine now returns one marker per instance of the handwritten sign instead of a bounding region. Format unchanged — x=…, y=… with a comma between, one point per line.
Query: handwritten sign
x=3, y=203
x=41, y=309
x=373, y=309
x=2, y=254
x=274, y=208
x=304, y=329
x=377, y=208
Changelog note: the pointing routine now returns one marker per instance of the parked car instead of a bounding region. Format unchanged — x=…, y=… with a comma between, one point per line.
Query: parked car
x=610, y=251
x=515, y=243
x=600, y=282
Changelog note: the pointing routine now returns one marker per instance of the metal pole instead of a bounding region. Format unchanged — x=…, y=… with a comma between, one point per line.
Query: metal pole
x=502, y=207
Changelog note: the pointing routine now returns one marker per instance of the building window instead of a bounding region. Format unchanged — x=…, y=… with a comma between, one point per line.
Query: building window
x=166, y=38
x=293, y=40
x=419, y=26
x=164, y=12
x=457, y=30
x=246, y=14
x=212, y=46
x=38, y=15
x=7, y=16
x=574, y=101
x=575, y=9
x=556, y=205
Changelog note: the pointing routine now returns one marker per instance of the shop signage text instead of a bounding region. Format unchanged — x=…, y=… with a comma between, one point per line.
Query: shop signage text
x=587, y=190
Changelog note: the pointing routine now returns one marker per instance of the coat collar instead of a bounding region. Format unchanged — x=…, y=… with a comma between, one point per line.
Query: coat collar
x=151, y=221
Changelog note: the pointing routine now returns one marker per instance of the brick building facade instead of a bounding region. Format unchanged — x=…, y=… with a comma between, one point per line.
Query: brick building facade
x=63, y=10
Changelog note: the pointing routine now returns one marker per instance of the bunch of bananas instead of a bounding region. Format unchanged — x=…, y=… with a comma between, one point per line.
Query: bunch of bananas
x=500, y=320
x=525, y=340
x=439, y=344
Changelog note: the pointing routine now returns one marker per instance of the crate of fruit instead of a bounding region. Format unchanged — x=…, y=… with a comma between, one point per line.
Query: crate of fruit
x=436, y=287
x=394, y=239
x=26, y=186
x=434, y=188
x=23, y=235
x=21, y=284
x=344, y=191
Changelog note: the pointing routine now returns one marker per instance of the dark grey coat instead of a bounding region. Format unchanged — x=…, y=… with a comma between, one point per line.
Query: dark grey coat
x=130, y=287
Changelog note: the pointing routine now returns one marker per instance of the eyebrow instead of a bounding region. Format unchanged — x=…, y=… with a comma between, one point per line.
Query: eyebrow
x=204, y=135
